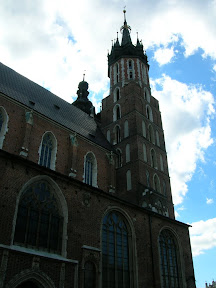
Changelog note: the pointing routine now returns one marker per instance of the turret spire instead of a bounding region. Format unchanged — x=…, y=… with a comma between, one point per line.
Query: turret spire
x=125, y=29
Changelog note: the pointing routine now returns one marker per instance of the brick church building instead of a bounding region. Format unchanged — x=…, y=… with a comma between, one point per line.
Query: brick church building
x=85, y=198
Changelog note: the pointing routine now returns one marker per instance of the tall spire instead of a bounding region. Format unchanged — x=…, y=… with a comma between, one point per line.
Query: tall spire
x=125, y=29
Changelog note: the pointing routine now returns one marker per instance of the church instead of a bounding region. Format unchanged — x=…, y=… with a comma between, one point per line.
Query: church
x=85, y=198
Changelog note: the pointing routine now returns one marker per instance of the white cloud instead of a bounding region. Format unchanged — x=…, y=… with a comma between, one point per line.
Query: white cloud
x=203, y=236
x=209, y=201
x=185, y=113
x=164, y=55
x=34, y=36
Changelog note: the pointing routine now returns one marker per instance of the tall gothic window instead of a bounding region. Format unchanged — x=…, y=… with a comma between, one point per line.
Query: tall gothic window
x=89, y=275
x=116, y=112
x=169, y=258
x=115, y=252
x=156, y=182
x=90, y=176
x=119, y=158
x=39, y=222
x=48, y=151
x=117, y=133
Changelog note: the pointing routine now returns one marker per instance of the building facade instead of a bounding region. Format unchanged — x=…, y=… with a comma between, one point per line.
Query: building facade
x=85, y=198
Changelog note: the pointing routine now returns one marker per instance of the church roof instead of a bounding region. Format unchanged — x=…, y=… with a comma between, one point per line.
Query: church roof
x=41, y=100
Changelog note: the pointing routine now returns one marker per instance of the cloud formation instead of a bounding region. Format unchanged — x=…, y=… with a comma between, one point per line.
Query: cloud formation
x=185, y=113
x=203, y=236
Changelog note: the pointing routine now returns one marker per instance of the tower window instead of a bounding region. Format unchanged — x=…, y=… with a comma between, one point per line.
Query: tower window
x=126, y=129
x=156, y=182
x=39, y=223
x=116, y=112
x=149, y=113
x=90, y=175
x=117, y=132
x=119, y=158
x=169, y=257
x=127, y=153
x=116, y=73
x=153, y=159
x=130, y=69
x=115, y=252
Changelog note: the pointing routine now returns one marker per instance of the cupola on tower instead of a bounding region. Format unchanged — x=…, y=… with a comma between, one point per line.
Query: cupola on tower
x=131, y=121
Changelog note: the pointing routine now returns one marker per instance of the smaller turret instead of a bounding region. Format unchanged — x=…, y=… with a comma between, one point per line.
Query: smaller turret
x=82, y=102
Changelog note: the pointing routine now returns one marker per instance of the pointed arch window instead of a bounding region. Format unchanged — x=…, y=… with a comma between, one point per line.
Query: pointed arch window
x=116, y=112
x=130, y=69
x=161, y=163
x=153, y=159
x=143, y=128
x=3, y=125
x=147, y=179
x=144, y=153
x=116, y=73
x=119, y=158
x=48, y=151
x=156, y=182
x=169, y=260
x=90, y=175
x=117, y=133
x=126, y=129
x=116, y=270
x=149, y=113
x=146, y=95
x=157, y=139
x=89, y=275
x=39, y=221
x=127, y=153
x=116, y=94
x=151, y=137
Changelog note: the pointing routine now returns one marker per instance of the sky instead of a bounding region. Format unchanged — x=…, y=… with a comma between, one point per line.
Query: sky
x=54, y=42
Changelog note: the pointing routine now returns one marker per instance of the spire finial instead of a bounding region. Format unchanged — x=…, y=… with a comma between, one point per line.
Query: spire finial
x=84, y=75
x=124, y=11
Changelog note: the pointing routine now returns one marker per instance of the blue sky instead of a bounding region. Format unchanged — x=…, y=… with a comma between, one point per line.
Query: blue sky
x=54, y=42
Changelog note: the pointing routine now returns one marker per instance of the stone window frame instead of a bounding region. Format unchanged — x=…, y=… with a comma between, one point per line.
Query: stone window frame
x=130, y=69
x=149, y=114
x=53, y=152
x=119, y=158
x=116, y=94
x=94, y=170
x=117, y=134
x=131, y=243
x=127, y=153
x=116, y=112
x=126, y=129
x=147, y=95
x=156, y=185
x=178, y=250
x=62, y=204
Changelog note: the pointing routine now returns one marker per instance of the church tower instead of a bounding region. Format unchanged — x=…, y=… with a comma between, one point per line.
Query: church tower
x=131, y=121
